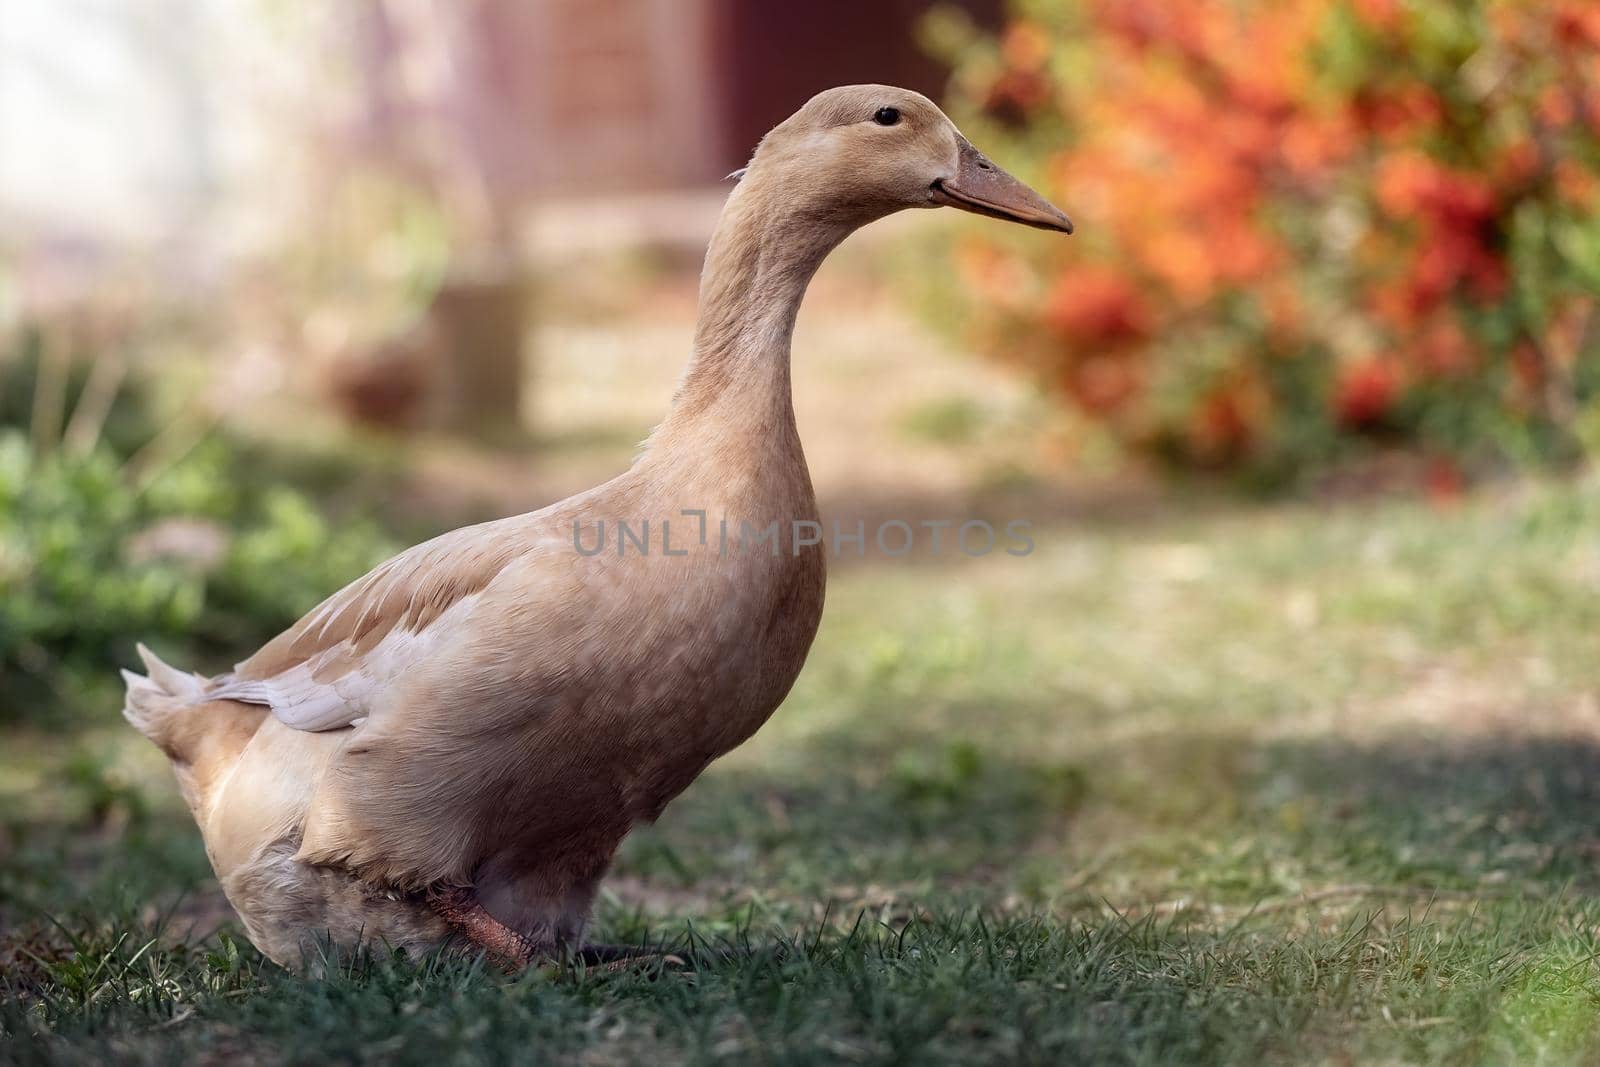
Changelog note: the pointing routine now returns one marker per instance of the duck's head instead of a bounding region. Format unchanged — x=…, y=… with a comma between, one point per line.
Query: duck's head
x=865, y=151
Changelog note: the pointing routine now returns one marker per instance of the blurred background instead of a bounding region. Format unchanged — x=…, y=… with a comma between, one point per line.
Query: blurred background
x=286, y=286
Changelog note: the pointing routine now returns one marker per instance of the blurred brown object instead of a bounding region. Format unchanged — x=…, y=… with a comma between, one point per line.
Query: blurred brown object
x=459, y=366
x=478, y=315
x=388, y=384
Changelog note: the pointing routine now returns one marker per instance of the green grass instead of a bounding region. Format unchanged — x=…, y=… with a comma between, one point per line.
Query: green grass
x=1268, y=785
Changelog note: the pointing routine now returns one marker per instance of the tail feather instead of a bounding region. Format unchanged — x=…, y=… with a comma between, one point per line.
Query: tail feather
x=154, y=700
x=204, y=738
x=174, y=681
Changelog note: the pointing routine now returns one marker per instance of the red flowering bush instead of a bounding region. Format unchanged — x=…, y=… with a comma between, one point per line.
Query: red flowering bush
x=1303, y=224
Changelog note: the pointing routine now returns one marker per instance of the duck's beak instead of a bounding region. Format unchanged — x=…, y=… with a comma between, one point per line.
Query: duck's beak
x=980, y=186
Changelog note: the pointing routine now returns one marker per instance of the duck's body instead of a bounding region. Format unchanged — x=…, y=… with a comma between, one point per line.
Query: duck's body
x=455, y=744
x=516, y=776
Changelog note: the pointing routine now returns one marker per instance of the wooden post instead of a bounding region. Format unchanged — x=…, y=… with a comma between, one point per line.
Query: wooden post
x=481, y=322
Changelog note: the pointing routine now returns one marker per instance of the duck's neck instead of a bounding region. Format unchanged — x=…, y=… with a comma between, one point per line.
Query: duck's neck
x=760, y=260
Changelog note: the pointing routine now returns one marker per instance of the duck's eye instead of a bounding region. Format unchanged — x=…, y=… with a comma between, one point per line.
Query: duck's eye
x=887, y=116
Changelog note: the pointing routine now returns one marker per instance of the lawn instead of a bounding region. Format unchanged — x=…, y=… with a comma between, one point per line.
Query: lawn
x=1196, y=782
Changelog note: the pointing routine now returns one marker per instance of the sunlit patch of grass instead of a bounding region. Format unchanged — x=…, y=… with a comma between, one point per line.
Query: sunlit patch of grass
x=952, y=420
x=1551, y=1013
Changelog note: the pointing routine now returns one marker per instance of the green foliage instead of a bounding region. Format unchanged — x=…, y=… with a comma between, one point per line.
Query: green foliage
x=129, y=422
x=199, y=558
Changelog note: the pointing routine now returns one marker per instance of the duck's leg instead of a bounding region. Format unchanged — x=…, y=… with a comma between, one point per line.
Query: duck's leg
x=550, y=896
x=459, y=906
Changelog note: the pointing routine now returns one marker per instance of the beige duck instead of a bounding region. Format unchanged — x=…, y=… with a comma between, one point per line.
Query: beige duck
x=453, y=746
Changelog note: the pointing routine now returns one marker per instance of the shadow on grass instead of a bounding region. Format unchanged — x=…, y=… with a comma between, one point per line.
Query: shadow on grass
x=1219, y=817
x=854, y=808
x=1522, y=811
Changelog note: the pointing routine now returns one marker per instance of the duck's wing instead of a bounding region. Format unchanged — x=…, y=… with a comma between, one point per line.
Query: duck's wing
x=334, y=665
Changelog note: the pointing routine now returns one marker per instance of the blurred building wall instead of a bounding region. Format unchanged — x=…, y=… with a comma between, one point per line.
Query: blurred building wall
x=174, y=125
x=619, y=96
x=585, y=95
x=769, y=58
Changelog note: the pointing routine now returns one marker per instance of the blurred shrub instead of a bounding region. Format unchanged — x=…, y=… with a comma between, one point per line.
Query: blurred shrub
x=199, y=558
x=127, y=423
x=1303, y=224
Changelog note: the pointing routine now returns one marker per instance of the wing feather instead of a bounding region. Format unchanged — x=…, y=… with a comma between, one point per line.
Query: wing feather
x=333, y=666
